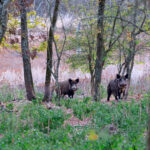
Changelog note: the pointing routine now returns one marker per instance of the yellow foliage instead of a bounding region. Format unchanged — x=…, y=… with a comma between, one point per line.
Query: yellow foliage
x=43, y=25
x=37, y=18
x=56, y=37
x=129, y=38
x=31, y=13
x=92, y=136
x=13, y=23
x=31, y=26
x=3, y=43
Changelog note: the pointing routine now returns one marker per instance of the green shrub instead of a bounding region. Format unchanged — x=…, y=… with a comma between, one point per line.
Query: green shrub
x=8, y=94
x=28, y=140
x=10, y=107
x=8, y=122
x=41, y=118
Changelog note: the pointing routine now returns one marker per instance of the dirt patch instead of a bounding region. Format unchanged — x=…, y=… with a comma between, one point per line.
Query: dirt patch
x=135, y=97
x=73, y=121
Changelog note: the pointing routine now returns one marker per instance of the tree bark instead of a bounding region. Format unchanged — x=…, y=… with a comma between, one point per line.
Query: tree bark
x=148, y=141
x=3, y=17
x=91, y=69
x=50, y=52
x=100, y=49
x=129, y=61
x=25, y=53
x=92, y=86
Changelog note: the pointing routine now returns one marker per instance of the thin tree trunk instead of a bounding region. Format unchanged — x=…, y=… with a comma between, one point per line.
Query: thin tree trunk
x=3, y=17
x=100, y=49
x=92, y=85
x=91, y=71
x=129, y=72
x=148, y=141
x=25, y=55
x=132, y=52
x=50, y=52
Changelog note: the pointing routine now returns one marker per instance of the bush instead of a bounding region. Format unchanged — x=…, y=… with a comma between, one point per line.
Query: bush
x=41, y=118
x=8, y=94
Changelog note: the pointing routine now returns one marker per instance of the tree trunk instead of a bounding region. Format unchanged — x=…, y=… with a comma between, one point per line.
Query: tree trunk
x=91, y=70
x=148, y=147
x=3, y=17
x=50, y=52
x=92, y=86
x=100, y=49
x=129, y=72
x=129, y=62
x=25, y=53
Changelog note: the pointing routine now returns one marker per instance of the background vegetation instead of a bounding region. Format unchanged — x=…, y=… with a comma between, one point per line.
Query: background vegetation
x=85, y=35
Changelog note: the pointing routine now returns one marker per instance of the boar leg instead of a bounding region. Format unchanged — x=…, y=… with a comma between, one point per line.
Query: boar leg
x=119, y=95
x=70, y=95
x=123, y=95
x=109, y=94
x=116, y=95
x=116, y=98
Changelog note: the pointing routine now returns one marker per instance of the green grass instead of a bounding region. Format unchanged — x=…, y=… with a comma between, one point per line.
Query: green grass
x=9, y=94
x=33, y=127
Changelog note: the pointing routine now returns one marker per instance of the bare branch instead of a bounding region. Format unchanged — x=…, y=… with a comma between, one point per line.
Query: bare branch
x=141, y=26
x=121, y=19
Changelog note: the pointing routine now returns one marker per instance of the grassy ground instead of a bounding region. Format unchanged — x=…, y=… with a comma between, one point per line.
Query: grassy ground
x=28, y=125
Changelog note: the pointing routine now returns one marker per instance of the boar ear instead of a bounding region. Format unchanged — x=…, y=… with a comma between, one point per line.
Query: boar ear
x=126, y=76
x=77, y=80
x=70, y=81
x=118, y=76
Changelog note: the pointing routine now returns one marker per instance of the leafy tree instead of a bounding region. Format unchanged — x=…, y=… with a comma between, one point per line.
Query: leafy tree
x=86, y=40
x=130, y=44
x=118, y=23
x=11, y=39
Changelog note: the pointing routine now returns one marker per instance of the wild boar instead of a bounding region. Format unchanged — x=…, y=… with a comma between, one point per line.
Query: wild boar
x=117, y=87
x=67, y=87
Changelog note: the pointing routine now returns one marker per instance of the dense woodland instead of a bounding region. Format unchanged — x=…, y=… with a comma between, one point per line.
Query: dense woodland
x=109, y=109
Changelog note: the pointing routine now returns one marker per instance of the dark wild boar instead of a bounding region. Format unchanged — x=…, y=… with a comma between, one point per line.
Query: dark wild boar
x=67, y=87
x=117, y=86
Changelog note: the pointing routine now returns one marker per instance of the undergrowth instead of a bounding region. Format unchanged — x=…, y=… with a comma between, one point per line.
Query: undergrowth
x=115, y=126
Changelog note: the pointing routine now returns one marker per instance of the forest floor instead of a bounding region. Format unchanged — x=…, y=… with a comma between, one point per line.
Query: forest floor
x=73, y=120
x=78, y=123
